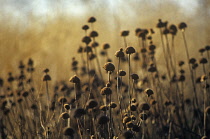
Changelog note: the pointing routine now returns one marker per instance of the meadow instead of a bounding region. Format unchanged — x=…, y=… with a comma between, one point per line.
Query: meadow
x=151, y=84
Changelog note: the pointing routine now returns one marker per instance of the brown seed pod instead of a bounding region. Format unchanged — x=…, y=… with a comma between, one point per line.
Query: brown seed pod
x=124, y=33
x=192, y=60
x=160, y=24
x=77, y=113
x=92, y=20
x=94, y=44
x=182, y=26
x=135, y=76
x=62, y=100
x=93, y=34
x=86, y=40
x=106, y=46
x=203, y=60
x=166, y=31
x=152, y=102
x=137, y=31
x=173, y=29
x=129, y=124
x=122, y=73
x=64, y=115
x=120, y=53
x=144, y=106
x=25, y=94
x=46, y=78
x=106, y=91
x=68, y=131
x=88, y=49
x=148, y=92
x=103, y=120
x=112, y=105
x=143, y=116
x=109, y=66
x=152, y=47
x=130, y=50
x=103, y=108
x=91, y=103
x=85, y=27
x=126, y=119
x=74, y=79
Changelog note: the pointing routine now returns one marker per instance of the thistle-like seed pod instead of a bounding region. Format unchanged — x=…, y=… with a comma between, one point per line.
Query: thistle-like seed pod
x=182, y=26
x=149, y=92
x=92, y=20
x=130, y=50
x=74, y=79
x=109, y=66
x=68, y=131
x=86, y=40
x=120, y=53
x=106, y=91
x=135, y=76
x=85, y=27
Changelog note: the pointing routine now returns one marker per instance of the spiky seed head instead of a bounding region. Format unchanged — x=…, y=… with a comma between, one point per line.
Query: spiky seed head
x=93, y=34
x=109, y=66
x=182, y=26
x=130, y=50
x=148, y=92
x=135, y=76
x=85, y=27
x=91, y=103
x=106, y=46
x=103, y=120
x=92, y=20
x=124, y=33
x=106, y=91
x=68, y=131
x=144, y=106
x=46, y=78
x=122, y=73
x=86, y=40
x=203, y=60
x=74, y=79
x=120, y=53
x=65, y=115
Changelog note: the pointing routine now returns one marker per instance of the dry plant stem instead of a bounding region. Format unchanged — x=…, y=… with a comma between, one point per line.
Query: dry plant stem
x=129, y=79
x=143, y=128
x=125, y=42
x=164, y=54
x=79, y=130
x=204, y=108
x=191, y=73
x=174, y=53
x=169, y=52
x=48, y=100
x=88, y=70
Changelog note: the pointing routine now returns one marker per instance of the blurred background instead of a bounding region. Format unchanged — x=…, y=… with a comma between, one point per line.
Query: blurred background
x=49, y=31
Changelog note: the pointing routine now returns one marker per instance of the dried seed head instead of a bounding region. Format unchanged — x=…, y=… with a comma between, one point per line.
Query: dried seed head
x=86, y=40
x=103, y=120
x=30, y=62
x=202, y=50
x=113, y=105
x=192, y=60
x=135, y=76
x=137, y=31
x=122, y=73
x=203, y=60
x=46, y=78
x=93, y=34
x=68, y=131
x=126, y=119
x=77, y=113
x=106, y=91
x=109, y=66
x=173, y=29
x=143, y=116
x=181, y=78
x=133, y=107
x=129, y=124
x=74, y=79
x=65, y=115
x=128, y=135
x=152, y=102
x=160, y=24
x=207, y=48
x=144, y=106
x=124, y=33
x=152, y=47
x=67, y=106
x=143, y=50
x=130, y=50
x=167, y=103
x=136, y=128
x=203, y=78
x=85, y=27
x=62, y=100
x=166, y=31
x=120, y=53
x=25, y=94
x=133, y=100
x=103, y=108
x=181, y=63
x=106, y=46
x=88, y=49
x=94, y=44
x=133, y=117
x=92, y=20
x=92, y=103
x=182, y=26
x=149, y=92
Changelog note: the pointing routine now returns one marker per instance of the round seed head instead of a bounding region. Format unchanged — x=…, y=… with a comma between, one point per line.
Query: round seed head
x=128, y=135
x=113, y=105
x=46, y=78
x=46, y=70
x=149, y=92
x=129, y=124
x=152, y=31
x=143, y=116
x=202, y=50
x=34, y=107
x=143, y=50
x=85, y=27
x=194, y=66
x=92, y=20
x=93, y=34
x=181, y=63
x=181, y=78
x=203, y=60
x=207, y=48
x=182, y=26
x=109, y=66
x=86, y=40
x=137, y=31
x=152, y=102
x=106, y=91
x=166, y=31
x=126, y=119
x=103, y=108
x=160, y=24
x=120, y=53
x=103, y=120
x=94, y=44
x=130, y=50
x=136, y=128
x=152, y=47
x=65, y=115
x=192, y=60
x=167, y=103
x=124, y=33
x=67, y=106
x=67, y=131
x=88, y=49
x=144, y=106
x=133, y=107
x=74, y=79
x=135, y=76
x=92, y=103
x=173, y=29
x=122, y=73
x=106, y=46
x=62, y=100
x=77, y=113
x=30, y=62
x=25, y=94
